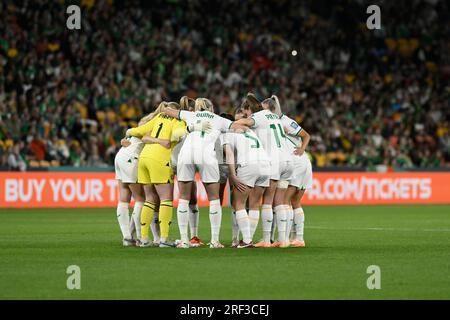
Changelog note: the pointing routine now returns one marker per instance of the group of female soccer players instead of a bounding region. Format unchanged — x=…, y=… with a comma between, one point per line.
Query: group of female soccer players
x=260, y=151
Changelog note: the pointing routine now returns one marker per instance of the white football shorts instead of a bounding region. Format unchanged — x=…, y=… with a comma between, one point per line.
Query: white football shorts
x=255, y=174
x=302, y=178
x=282, y=170
x=126, y=167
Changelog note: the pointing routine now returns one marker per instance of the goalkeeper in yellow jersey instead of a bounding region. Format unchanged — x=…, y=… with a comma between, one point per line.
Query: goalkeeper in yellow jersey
x=155, y=170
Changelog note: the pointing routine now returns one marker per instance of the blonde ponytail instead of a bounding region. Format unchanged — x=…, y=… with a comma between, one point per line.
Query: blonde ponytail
x=186, y=103
x=174, y=105
x=203, y=104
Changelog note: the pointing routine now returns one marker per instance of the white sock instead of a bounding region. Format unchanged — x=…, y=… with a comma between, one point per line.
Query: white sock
x=215, y=218
x=132, y=226
x=267, y=219
x=194, y=217
x=123, y=217
x=154, y=226
x=137, y=218
x=244, y=225
x=253, y=215
x=234, y=227
x=183, y=219
x=290, y=221
x=299, y=219
x=273, y=230
x=294, y=228
x=281, y=217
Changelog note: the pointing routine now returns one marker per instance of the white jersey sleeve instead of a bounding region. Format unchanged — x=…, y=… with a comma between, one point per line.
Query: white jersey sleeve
x=229, y=138
x=259, y=120
x=291, y=126
x=292, y=129
x=225, y=124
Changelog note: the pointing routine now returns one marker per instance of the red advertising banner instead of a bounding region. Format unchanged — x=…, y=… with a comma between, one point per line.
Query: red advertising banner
x=379, y=188
x=68, y=190
x=86, y=189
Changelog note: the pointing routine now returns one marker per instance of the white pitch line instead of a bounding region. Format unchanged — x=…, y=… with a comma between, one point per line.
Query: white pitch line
x=379, y=229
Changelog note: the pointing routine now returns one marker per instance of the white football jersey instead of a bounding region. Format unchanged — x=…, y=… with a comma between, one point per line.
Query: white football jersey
x=292, y=129
x=200, y=143
x=248, y=148
x=269, y=130
x=135, y=148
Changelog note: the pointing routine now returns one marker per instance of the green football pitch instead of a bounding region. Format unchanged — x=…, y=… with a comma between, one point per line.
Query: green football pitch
x=410, y=244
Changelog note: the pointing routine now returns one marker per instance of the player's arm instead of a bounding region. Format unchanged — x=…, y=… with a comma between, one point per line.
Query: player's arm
x=234, y=180
x=141, y=131
x=243, y=124
x=305, y=141
x=174, y=113
x=179, y=132
x=148, y=139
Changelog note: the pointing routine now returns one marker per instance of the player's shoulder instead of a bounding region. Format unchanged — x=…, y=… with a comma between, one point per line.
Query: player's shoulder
x=285, y=119
x=266, y=114
x=187, y=112
x=205, y=114
x=292, y=126
x=177, y=121
x=259, y=113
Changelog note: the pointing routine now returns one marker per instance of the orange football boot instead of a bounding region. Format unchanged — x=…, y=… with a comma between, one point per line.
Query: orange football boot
x=263, y=244
x=278, y=244
x=298, y=244
x=196, y=242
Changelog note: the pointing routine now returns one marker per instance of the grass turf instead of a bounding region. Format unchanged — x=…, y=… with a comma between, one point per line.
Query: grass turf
x=411, y=244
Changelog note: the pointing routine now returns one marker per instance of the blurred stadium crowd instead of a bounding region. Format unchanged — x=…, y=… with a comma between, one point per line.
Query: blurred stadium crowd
x=367, y=97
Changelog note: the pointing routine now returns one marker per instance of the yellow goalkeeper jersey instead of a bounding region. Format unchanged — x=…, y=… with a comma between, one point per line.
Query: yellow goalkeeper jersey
x=162, y=127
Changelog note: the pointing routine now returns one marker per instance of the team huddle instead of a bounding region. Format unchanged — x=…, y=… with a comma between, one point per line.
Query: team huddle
x=258, y=150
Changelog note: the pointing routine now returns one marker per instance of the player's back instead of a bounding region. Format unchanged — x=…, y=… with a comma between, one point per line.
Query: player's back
x=162, y=128
x=201, y=141
x=247, y=146
x=269, y=130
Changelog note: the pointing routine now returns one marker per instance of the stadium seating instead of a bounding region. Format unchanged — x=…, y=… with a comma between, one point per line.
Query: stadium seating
x=345, y=84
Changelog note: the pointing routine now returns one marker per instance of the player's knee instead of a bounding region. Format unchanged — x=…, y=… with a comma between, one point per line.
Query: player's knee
x=296, y=201
x=186, y=193
x=125, y=198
